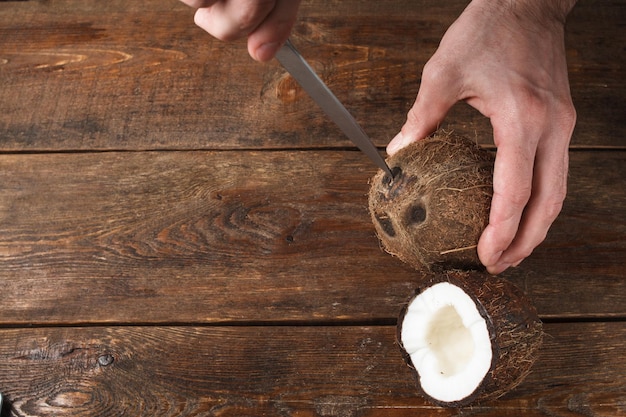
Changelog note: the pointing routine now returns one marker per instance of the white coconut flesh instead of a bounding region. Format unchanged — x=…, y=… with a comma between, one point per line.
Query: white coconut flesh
x=448, y=342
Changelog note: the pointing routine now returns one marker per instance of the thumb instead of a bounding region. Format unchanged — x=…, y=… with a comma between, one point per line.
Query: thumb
x=265, y=41
x=436, y=95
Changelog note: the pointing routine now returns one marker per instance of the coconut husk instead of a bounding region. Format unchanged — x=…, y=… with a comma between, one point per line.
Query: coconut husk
x=514, y=329
x=432, y=213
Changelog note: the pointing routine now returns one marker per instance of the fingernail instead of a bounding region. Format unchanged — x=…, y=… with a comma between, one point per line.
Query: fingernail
x=266, y=51
x=396, y=144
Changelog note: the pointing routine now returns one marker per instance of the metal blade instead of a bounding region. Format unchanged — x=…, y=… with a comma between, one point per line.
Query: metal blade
x=302, y=72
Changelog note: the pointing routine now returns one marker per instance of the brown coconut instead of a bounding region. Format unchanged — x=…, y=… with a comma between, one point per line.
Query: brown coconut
x=432, y=213
x=514, y=334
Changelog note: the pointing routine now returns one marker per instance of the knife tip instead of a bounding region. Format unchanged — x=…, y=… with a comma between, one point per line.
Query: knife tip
x=391, y=175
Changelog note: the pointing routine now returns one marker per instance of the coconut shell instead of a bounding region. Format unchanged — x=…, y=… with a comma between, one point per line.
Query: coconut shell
x=514, y=328
x=434, y=210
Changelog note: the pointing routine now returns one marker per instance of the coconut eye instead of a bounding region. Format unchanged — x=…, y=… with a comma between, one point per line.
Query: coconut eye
x=416, y=214
x=396, y=172
x=385, y=224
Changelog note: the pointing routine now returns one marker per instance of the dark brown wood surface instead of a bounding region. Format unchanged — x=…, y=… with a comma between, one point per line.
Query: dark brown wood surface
x=141, y=76
x=283, y=370
x=182, y=232
x=127, y=236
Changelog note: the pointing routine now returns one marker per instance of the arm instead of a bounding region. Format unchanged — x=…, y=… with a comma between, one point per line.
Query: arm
x=506, y=58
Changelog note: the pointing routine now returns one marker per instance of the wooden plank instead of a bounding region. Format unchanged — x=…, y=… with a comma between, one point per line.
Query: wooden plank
x=82, y=75
x=593, y=256
x=204, y=237
x=283, y=371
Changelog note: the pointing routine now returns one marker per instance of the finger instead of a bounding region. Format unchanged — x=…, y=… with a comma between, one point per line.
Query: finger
x=438, y=92
x=548, y=192
x=273, y=32
x=512, y=185
x=229, y=20
x=549, y=189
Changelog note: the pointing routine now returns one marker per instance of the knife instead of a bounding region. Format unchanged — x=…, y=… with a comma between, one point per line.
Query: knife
x=301, y=71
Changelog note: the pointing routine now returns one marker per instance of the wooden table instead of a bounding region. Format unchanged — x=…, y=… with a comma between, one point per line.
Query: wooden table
x=183, y=233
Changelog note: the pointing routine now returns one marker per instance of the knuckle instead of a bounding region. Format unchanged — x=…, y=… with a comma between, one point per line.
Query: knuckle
x=204, y=20
x=525, y=252
x=250, y=16
x=235, y=21
x=567, y=115
x=534, y=104
x=545, y=108
x=553, y=206
x=436, y=72
x=412, y=117
x=521, y=196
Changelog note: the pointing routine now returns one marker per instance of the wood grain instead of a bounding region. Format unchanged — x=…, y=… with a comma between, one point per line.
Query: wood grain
x=183, y=233
x=269, y=236
x=283, y=371
x=83, y=75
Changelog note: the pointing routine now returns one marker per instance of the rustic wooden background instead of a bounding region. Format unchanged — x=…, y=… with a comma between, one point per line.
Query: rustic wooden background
x=183, y=233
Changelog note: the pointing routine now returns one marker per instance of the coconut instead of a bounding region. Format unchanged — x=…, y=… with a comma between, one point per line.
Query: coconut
x=469, y=336
x=434, y=209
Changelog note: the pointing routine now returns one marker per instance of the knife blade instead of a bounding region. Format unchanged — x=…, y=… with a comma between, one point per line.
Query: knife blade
x=301, y=71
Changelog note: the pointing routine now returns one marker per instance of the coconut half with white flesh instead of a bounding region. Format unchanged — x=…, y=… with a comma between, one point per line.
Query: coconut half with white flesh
x=469, y=337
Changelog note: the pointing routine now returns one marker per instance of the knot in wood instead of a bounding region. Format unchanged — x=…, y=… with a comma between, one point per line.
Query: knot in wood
x=105, y=360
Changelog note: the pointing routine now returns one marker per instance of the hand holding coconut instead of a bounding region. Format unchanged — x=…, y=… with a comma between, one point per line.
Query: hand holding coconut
x=507, y=60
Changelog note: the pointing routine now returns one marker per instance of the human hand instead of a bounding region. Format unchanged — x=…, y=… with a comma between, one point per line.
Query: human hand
x=266, y=23
x=507, y=60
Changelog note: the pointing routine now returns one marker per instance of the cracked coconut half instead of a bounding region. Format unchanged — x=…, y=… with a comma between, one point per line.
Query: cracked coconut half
x=469, y=337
